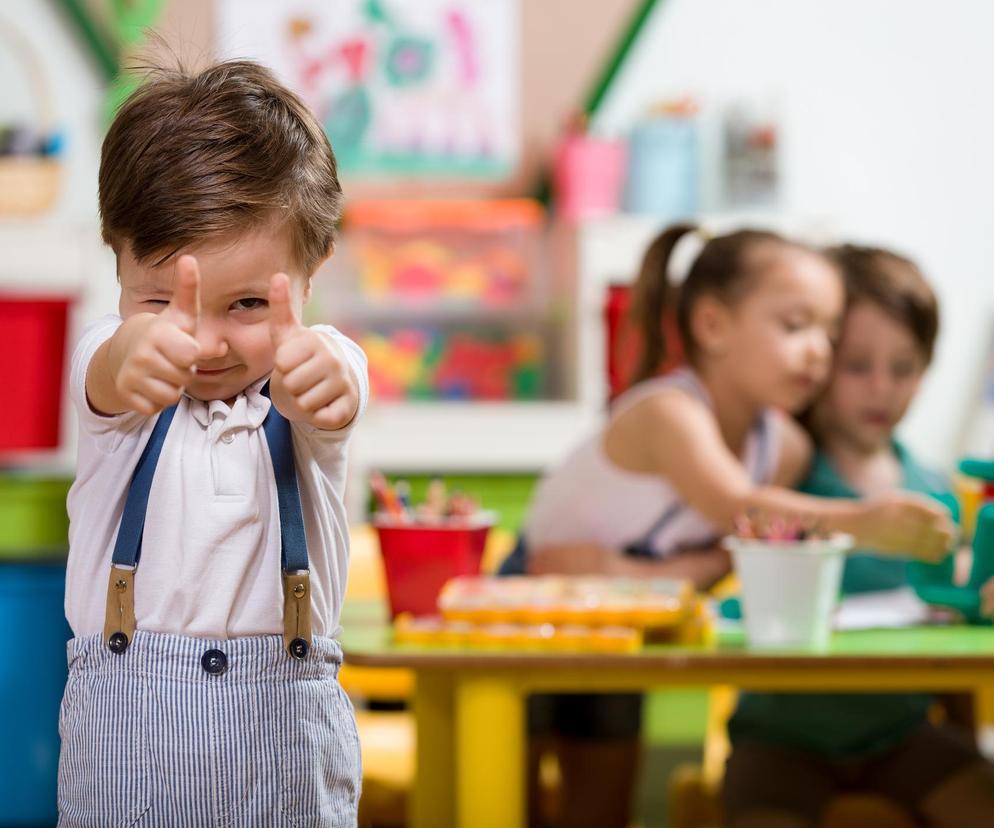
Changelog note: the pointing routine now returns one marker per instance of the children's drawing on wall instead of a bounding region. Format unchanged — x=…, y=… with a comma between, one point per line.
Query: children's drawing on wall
x=422, y=87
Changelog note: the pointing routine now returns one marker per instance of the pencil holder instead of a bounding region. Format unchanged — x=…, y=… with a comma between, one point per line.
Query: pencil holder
x=29, y=183
x=419, y=559
x=790, y=589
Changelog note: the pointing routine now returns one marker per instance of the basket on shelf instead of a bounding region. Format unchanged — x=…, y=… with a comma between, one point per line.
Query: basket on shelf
x=29, y=183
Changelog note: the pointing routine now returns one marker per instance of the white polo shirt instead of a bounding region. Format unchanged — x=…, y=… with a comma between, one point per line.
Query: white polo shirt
x=210, y=561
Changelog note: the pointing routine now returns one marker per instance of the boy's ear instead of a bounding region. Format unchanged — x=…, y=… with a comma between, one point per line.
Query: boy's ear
x=710, y=323
x=317, y=266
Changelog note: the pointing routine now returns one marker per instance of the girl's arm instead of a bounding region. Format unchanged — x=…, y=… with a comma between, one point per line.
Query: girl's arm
x=682, y=443
x=704, y=567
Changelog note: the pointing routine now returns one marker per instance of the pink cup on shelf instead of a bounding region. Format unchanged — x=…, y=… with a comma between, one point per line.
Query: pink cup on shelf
x=588, y=175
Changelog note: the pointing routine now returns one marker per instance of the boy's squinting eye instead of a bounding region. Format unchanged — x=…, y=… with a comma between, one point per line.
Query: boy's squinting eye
x=251, y=303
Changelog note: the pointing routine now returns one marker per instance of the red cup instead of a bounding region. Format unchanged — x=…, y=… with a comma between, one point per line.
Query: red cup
x=418, y=560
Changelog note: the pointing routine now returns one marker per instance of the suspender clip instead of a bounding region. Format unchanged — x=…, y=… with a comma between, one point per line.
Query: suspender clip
x=297, y=613
x=119, y=621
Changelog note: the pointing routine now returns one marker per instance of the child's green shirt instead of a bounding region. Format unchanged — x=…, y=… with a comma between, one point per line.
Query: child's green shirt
x=844, y=725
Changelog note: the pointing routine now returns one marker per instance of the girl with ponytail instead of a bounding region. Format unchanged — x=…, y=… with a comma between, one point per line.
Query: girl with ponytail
x=681, y=455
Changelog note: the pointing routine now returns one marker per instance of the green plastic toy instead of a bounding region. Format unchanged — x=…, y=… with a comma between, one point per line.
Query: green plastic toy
x=965, y=599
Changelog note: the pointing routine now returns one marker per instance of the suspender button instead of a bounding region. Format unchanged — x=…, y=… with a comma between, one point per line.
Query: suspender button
x=117, y=643
x=214, y=662
x=299, y=648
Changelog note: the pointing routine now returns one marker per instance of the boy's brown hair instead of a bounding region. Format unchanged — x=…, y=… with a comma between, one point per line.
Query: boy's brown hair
x=191, y=157
x=895, y=285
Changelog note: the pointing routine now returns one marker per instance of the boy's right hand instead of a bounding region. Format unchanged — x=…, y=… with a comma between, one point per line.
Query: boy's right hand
x=152, y=356
x=906, y=524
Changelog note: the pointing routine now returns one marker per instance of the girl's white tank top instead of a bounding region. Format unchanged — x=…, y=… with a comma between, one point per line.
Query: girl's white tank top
x=588, y=499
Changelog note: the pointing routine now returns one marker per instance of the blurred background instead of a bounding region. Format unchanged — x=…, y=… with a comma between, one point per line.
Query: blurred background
x=505, y=163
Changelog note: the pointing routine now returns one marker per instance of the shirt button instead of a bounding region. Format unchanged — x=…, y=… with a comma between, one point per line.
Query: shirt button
x=227, y=437
x=214, y=662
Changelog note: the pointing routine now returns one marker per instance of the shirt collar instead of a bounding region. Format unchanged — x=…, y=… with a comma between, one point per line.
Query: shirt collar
x=247, y=411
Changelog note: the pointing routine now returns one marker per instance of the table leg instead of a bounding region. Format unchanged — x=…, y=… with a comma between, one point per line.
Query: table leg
x=490, y=752
x=432, y=802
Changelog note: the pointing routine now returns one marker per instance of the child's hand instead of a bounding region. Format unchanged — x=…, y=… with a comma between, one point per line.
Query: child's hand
x=311, y=381
x=906, y=524
x=571, y=559
x=987, y=599
x=153, y=358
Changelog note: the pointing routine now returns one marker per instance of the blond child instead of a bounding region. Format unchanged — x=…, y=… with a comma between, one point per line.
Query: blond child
x=680, y=456
x=202, y=683
x=792, y=753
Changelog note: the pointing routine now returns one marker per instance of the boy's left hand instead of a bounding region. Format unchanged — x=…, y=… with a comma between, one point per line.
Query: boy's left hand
x=311, y=380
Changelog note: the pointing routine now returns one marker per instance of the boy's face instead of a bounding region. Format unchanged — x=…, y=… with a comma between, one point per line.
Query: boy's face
x=878, y=367
x=236, y=347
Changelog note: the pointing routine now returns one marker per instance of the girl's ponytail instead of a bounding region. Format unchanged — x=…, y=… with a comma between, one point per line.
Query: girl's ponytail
x=651, y=294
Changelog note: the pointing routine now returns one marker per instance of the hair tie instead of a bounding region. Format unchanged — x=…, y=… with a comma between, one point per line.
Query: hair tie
x=685, y=252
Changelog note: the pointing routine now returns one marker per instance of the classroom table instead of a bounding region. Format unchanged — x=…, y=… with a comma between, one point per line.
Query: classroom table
x=469, y=704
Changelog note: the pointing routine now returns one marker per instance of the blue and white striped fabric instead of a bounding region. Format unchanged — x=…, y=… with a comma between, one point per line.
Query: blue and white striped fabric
x=149, y=738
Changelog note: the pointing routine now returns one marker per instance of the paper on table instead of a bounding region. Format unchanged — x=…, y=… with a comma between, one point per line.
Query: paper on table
x=882, y=610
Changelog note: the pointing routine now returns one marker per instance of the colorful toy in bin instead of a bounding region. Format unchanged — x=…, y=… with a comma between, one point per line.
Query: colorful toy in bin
x=423, y=363
x=454, y=252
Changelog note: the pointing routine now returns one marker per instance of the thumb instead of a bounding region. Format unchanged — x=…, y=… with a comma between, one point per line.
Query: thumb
x=184, y=307
x=282, y=319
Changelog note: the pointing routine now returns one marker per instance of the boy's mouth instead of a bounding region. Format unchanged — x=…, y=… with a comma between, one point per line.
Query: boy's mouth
x=212, y=372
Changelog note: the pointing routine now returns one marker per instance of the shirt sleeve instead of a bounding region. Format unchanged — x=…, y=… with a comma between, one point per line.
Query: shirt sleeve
x=356, y=359
x=101, y=427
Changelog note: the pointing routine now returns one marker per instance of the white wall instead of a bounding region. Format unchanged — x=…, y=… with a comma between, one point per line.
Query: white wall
x=888, y=115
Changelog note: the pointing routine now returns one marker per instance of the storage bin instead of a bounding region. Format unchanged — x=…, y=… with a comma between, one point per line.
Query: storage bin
x=33, y=636
x=34, y=332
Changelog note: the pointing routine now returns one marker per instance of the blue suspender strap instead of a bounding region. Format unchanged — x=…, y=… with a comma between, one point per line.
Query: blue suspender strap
x=119, y=620
x=293, y=539
x=128, y=548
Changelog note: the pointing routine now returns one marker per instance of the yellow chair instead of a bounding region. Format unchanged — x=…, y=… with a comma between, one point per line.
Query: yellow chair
x=387, y=737
x=695, y=790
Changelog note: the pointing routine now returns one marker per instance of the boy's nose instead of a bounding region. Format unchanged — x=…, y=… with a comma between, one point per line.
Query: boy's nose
x=213, y=344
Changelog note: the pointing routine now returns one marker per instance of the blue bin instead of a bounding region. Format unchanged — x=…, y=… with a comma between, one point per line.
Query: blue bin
x=662, y=175
x=33, y=636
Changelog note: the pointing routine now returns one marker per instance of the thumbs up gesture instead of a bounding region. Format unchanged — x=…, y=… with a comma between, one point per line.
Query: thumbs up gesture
x=153, y=359
x=311, y=380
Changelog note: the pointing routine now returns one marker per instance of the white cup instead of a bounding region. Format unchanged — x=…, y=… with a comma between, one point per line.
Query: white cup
x=789, y=589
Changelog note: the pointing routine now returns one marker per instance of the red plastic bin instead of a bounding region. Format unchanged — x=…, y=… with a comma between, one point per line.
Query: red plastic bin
x=34, y=332
x=418, y=560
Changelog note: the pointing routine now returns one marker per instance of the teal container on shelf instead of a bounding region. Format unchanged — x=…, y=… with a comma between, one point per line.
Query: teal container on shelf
x=663, y=171
x=33, y=636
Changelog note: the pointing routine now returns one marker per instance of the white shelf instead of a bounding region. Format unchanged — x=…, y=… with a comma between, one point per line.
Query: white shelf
x=469, y=436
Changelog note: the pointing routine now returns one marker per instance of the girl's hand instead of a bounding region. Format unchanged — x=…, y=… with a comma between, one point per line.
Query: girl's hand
x=152, y=356
x=311, y=380
x=572, y=559
x=905, y=524
x=987, y=599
